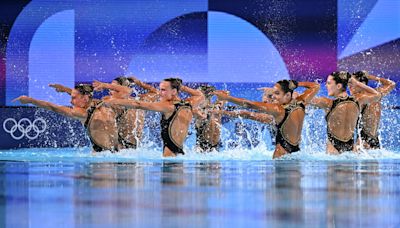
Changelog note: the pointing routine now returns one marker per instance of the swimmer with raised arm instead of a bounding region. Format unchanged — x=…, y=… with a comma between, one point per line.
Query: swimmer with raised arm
x=371, y=113
x=176, y=113
x=130, y=122
x=288, y=112
x=208, y=123
x=101, y=126
x=343, y=111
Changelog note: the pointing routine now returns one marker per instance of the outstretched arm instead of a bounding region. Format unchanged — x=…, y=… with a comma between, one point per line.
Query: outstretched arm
x=143, y=85
x=61, y=89
x=63, y=110
x=149, y=97
x=268, y=108
x=387, y=84
x=309, y=94
x=117, y=88
x=368, y=94
x=196, y=95
x=321, y=102
x=151, y=106
x=260, y=117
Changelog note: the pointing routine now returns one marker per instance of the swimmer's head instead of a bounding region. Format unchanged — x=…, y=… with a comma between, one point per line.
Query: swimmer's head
x=283, y=91
x=361, y=76
x=124, y=81
x=175, y=83
x=337, y=82
x=170, y=87
x=207, y=90
x=81, y=95
x=85, y=89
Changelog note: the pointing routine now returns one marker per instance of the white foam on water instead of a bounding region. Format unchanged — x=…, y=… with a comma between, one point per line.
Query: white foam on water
x=155, y=154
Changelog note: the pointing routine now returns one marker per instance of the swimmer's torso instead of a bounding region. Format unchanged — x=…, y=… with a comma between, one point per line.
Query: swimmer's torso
x=370, y=118
x=342, y=118
x=289, y=129
x=130, y=126
x=176, y=125
x=102, y=127
x=208, y=131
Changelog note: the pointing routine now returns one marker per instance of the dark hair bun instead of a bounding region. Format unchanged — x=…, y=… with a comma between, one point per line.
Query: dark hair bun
x=124, y=81
x=344, y=75
x=293, y=84
x=85, y=89
x=361, y=76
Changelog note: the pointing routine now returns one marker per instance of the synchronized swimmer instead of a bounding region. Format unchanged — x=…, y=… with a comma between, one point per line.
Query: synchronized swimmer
x=117, y=121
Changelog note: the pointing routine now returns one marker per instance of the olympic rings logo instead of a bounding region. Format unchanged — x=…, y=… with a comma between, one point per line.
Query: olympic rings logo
x=24, y=126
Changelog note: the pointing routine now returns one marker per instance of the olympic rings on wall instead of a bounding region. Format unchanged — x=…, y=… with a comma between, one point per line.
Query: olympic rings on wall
x=25, y=127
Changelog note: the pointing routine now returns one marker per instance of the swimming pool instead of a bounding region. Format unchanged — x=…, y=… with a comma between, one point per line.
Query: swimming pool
x=71, y=187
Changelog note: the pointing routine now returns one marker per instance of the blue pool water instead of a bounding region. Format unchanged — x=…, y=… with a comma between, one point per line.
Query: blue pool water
x=139, y=188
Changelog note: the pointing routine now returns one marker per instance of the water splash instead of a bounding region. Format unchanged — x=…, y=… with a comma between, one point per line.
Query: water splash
x=155, y=155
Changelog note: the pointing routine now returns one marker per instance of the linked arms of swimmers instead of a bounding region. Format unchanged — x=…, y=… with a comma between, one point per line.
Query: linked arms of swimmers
x=196, y=96
x=368, y=94
x=215, y=110
x=76, y=113
x=272, y=109
x=60, y=88
x=152, y=106
x=146, y=86
x=387, y=84
x=260, y=117
x=117, y=88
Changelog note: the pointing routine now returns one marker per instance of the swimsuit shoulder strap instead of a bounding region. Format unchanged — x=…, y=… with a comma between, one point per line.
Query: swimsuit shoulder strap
x=90, y=111
x=289, y=108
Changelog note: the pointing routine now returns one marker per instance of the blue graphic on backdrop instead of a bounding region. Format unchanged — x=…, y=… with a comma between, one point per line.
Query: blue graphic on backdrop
x=51, y=58
x=106, y=35
x=379, y=26
x=239, y=52
x=213, y=47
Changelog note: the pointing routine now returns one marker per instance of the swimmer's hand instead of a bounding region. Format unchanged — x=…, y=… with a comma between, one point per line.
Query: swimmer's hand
x=98, y=85
x=59, y=88
x=23, y=99
x=353, y=82
x=221, y=94
x=265, y=89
